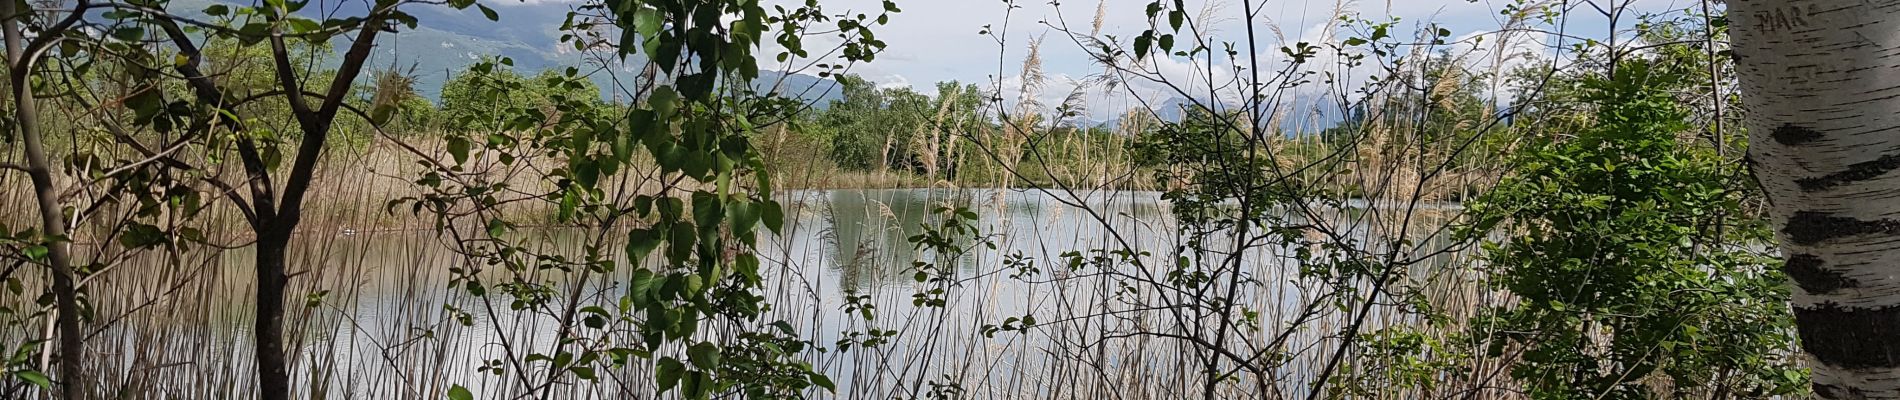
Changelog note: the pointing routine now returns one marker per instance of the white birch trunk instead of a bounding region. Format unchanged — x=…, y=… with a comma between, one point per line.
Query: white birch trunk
x=1821, y=80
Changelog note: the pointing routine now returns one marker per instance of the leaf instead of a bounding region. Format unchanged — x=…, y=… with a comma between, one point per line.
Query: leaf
x=664, y=101
x=489, y=12
x=497, y=227
x=458, y=147
x=36, y=252
x=824, y=382
x=641, y=242
x=1143, y=42
x=300, y=25
x=667, y=376
x=704, y=355
x=381, y=114
x=130, y=33
x=36, y=378
x=646, y=21
x=458, y=392
x=774, y=216
x=698, y=385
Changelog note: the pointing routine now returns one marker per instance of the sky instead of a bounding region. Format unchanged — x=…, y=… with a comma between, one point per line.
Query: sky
x=933, y=41
x=938, y=40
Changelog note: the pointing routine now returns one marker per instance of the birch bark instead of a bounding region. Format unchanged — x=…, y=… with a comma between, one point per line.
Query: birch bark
x=1821, y=80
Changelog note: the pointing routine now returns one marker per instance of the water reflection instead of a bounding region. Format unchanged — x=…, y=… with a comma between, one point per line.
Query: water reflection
x=865, y=234
x=383, y=330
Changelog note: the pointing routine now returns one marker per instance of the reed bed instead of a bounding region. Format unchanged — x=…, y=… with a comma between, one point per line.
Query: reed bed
x=374, y=323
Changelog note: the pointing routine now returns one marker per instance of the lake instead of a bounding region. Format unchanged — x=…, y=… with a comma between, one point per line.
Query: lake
x=381, y=320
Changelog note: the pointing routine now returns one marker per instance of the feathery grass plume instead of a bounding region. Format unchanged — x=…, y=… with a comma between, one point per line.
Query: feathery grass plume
x=393, y=86
x=1206, y=19
x=928, y=141
x=1107, y=59
x=1028, y=110
x=1033, y=80
x=1101, y=14
x=1074, y=104
x=1448, y=84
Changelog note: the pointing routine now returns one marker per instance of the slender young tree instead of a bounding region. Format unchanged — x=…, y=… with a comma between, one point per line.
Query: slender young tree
x=1817, y=77
x=274, y=206
x=22, y=55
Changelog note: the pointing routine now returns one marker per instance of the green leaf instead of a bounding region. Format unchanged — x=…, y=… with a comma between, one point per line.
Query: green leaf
x=497, y=227
x=824, y=382
x=130, y=33
x=458, y=148
x=664, y=101
x=704, y=355
x=641, y=242
x=667, y=375
x=647, y=22
x=698, y=385
x=36, y=378
x=300, y=25
x=773, y=215
x=489, y=12
x=1143, y=43
x=382, y=114
x=458, y=392
x=639, y=291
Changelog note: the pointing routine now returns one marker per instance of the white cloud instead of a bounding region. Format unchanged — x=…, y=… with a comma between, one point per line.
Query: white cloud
x=893, y=81
x=938, y=40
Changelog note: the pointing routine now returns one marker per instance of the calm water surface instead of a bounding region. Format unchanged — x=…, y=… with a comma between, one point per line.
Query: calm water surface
x=380, y=326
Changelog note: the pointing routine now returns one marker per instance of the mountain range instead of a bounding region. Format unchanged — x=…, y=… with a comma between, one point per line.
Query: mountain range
x=447, y=40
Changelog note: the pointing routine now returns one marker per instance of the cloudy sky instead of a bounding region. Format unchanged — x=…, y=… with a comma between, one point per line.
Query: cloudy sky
x=939, y=40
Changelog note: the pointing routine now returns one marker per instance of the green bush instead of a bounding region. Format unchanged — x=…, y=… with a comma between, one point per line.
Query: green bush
x=1630, y=258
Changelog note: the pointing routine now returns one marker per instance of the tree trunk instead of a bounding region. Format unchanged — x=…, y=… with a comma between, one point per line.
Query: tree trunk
x=1821, y=79
x=273, y=362
x=52, y=221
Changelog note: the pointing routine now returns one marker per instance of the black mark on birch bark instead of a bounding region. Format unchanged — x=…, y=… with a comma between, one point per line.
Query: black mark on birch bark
x=1791, y=135
x=1854, y=173
x=1811, y=227
x=1827, y=391
x=1811, y=274
x=1850, y=337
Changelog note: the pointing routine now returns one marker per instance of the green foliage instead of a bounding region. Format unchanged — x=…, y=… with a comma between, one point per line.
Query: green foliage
x=458, y=392
x=867, y=120
x=470, y=98
x=1210, y=158
x=689, y=264
x=1400, y=359
x=874, y=128
x=1630, y=257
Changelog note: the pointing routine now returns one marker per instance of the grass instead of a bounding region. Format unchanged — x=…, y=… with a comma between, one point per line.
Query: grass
x=175, y=323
